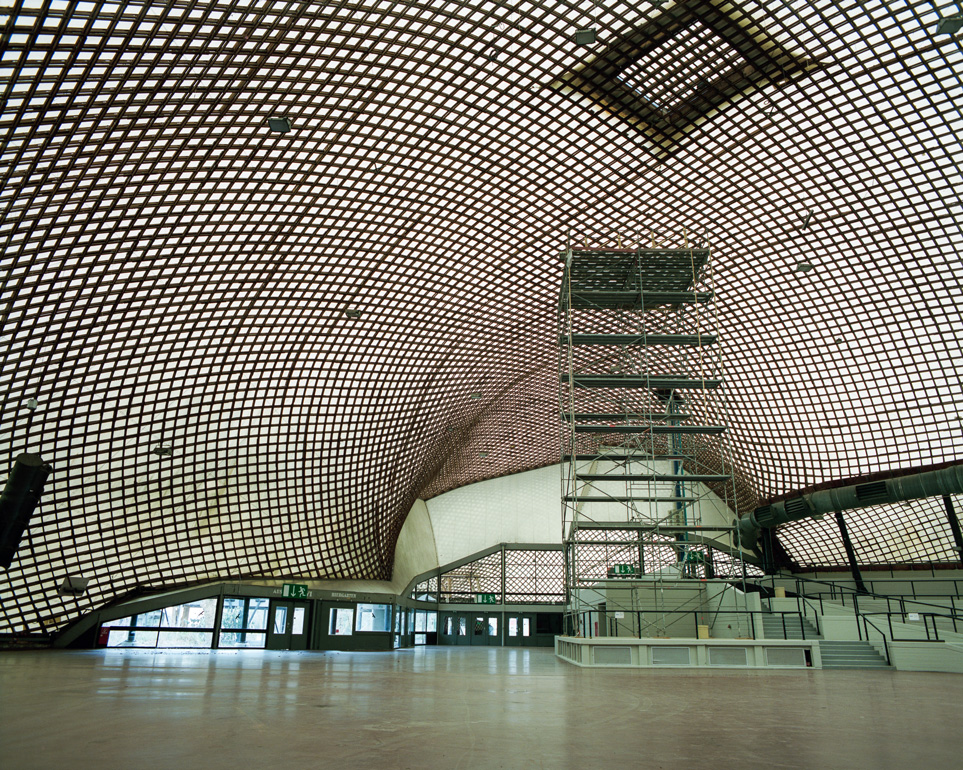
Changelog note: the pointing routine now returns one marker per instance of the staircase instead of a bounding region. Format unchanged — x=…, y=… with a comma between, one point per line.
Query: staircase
x=850, y=655
x=772, y=627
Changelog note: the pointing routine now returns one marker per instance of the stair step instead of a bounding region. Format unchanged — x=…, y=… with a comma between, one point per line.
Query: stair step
x=850, y=654
x=772, y=626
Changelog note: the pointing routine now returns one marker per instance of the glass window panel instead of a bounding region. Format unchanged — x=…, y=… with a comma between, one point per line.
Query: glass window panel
x=233, y=613
x=341, y=621
x=258, y=613
x=298, y=623
x=199, y=614
x=122, y=638
x=374, y=617
x=280, y=619
x=254, y=640
x=147, y=619
x=185, y=638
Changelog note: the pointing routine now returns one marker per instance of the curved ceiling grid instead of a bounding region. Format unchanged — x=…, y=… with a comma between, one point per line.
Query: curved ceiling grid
x=176, y=273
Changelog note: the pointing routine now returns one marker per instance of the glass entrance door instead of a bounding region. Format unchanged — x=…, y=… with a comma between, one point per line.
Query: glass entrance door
x=484, y=629
x=520, y=630
x=287, y=626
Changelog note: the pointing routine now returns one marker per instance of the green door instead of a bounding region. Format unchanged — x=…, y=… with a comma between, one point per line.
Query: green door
x=520, y=630
x=494, y=628
x=287, y=626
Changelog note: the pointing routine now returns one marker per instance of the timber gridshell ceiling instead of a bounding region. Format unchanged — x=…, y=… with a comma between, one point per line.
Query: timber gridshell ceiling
x=176, y=273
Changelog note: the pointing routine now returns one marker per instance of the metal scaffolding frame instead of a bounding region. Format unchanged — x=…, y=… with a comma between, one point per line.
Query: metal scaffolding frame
x=645, y=477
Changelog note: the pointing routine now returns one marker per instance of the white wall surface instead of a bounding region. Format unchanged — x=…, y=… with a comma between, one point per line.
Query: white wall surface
x=521, y=508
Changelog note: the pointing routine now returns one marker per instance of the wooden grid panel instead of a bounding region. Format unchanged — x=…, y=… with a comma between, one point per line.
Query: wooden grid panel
x=174, y=273
x=534, y=577
x=463, y=584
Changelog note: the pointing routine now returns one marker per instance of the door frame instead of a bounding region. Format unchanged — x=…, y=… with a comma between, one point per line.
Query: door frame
x=287, y=639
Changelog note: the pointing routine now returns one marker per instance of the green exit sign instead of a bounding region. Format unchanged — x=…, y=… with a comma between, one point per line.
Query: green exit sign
x=294, y=591
x=486, y=598
x=623, y=569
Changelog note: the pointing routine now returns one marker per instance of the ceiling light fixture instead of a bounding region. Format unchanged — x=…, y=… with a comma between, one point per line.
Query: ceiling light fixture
x=950, y=25
x=163, y=450
x=585, y=37
x=353, y=312
x=803, y=267
x=73, y=585
x=280, y=124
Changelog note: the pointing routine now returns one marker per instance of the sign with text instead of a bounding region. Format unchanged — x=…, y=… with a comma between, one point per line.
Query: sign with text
x=486, y=598
x=294, y=591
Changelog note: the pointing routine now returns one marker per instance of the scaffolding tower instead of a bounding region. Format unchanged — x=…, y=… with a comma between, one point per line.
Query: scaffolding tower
x=646, y=486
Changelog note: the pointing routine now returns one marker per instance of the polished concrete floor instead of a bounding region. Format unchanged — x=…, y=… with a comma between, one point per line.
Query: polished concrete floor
x=459, y=708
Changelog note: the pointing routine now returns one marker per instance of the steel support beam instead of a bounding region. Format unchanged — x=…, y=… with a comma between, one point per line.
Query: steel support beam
x=850, y=553
x=954, y=525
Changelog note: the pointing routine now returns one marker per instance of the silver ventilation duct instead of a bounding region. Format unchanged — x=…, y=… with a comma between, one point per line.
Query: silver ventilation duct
x=946, y=481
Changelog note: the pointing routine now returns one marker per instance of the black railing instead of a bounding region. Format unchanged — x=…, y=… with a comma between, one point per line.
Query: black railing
x=595, y=624
x=864, y=635
x=930, y=628
x=804, y=606
x=847, y=596
x=896, y=607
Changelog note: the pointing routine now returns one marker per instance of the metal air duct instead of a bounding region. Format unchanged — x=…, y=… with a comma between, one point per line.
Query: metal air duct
x=945, y=481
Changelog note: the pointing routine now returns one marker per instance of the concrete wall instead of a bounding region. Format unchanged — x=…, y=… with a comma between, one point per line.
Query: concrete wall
x=927, y=656
x=521, y=508
x=728, y=612
x=657, y=604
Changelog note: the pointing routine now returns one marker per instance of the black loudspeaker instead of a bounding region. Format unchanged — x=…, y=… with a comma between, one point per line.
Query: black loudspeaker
x=20, y=496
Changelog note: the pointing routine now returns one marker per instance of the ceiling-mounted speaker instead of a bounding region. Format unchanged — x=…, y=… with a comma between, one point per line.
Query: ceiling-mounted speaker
x=20, y=496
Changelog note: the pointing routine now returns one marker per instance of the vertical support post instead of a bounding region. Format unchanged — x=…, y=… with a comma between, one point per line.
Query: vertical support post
x=503, y=575
x=765, y=547
x=954, y=525
x=675, y=444
x=219, y=617
x=850, y=553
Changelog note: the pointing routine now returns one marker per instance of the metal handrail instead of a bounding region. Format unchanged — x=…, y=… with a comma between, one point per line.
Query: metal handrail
x=926, y=625
x=841, y=592
x=882, y=635
x=802, y=603
x=584, y=626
